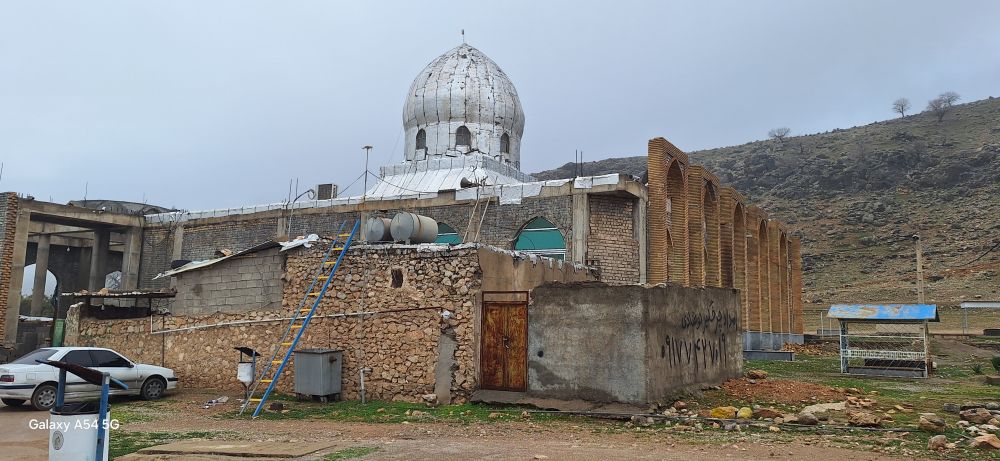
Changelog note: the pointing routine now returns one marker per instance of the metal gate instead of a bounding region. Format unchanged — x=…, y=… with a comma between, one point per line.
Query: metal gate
x=504, y=353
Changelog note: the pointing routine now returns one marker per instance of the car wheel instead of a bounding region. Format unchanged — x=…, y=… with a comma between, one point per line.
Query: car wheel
x=153, y=388
x=12, y=402
x=44, y=397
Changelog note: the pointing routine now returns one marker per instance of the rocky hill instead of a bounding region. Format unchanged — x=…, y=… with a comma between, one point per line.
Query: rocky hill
x=857, y=195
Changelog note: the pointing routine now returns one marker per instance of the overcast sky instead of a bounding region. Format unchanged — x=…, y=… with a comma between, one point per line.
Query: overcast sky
x=210, y=104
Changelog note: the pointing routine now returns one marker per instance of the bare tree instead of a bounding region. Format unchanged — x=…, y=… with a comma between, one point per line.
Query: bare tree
x=778, y=134
x=940, y=105
x=901, y=105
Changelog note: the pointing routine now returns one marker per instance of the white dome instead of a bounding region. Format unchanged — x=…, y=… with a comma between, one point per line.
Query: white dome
x=463, y=87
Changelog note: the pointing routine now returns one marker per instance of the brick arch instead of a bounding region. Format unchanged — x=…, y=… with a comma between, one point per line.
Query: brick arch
x=782, y=315
x=676, y=194
x=763, y=271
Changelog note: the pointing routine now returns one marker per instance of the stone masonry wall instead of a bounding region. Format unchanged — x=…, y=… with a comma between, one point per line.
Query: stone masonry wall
x=612, y=244
x=401, y=348
x=8, y=224
x=245, y=283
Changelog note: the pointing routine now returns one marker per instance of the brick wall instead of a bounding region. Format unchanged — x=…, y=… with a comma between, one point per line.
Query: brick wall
x=8, y=224
x=612, y=244
x=202, y=240
x=157, y=249
x=250, y=282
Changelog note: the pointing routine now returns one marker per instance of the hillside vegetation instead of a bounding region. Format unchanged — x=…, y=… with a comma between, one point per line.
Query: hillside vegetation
x=857, y=195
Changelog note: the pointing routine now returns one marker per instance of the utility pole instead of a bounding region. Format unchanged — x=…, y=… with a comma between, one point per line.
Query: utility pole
x=920, y=268
x=368, y=150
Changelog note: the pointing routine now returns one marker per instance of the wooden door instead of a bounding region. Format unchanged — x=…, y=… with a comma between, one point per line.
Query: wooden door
x=504, y=358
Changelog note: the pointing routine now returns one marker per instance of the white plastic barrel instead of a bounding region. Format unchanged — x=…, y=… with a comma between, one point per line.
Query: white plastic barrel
x=74, y=437
x=244, y=372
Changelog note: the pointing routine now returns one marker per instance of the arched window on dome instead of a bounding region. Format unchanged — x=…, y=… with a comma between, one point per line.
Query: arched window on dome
x=463, y=137
x=421, y=139
x=542, y=238
x=505, y=144
x=447, y=234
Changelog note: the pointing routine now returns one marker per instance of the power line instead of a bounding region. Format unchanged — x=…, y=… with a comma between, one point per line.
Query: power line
x=977, y=258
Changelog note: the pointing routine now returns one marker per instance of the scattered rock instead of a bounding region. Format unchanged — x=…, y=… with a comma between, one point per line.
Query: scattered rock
x=494, y=415
x=938, y=442
x=929, y=422
x=766, y=413
x=431, y=399
x=723, y=412
x=863, y=419
x=642, y=421
x=756, y=374
x=774, y=428
x=976, y=416
x=276, y=406
x=824, y=407
x=951, y=408
x=988, y=427
x=744, y=413
x=541, y=457
x=807, y=419
x=418, y=413
x=992, y=406
x=525, y=414
x=986, y=442
x=680, y=405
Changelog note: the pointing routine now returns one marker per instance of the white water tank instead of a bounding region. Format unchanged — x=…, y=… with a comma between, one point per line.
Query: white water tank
x=73, y=433
x=413, y=228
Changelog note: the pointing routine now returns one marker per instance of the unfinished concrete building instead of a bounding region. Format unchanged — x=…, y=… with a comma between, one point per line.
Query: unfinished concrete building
x=463, y=121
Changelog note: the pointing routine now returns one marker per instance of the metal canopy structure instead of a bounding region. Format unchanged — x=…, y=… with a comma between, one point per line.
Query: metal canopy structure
x=884, y=339
x=966, y=305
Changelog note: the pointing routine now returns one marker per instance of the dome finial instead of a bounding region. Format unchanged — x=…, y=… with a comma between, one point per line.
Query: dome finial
x=463, y=36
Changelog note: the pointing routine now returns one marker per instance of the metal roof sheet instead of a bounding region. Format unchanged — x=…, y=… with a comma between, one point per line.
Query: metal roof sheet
x=884, y=312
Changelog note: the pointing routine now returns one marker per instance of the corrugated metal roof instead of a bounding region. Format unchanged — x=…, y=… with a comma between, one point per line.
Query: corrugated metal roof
x=980, y=304
x=884, y=312
x=195, y=265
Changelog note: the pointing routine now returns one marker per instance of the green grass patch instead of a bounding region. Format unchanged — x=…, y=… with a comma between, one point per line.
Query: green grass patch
x=394, y=412
x=350, y=453
x=124, y=442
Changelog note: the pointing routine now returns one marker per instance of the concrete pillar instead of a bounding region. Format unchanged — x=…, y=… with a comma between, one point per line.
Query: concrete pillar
x=41, y=270
x=177, y=250
x=83, y=276
x=16, y=278
x=99, y=259
x=130, y=258
x=581, y=226
x=642, y=236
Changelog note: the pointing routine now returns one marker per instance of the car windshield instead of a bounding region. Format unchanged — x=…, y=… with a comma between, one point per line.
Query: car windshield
x=31, y=357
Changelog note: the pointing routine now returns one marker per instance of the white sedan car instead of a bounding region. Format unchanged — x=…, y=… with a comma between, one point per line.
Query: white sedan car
x=27, y=380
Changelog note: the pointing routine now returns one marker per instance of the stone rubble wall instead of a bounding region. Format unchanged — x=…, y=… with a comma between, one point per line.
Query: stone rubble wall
x=401, y=348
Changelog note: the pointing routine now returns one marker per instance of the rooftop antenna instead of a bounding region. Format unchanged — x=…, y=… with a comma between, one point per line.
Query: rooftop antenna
x=463, y=36
x=368, y=150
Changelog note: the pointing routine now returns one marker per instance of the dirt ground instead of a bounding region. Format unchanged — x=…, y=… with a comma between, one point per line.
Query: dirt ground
x=520, y=438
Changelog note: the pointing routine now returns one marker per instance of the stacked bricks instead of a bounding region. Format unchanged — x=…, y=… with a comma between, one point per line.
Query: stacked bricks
x=696, y=225
x=678, y=238
x=756, y=279
x=657, y=217
x=9, y=207
x=244, y=283
x=795, y=257
x=774, y=277
x=612, y=241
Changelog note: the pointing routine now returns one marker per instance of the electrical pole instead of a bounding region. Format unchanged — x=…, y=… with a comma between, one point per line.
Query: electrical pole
x=920, y=268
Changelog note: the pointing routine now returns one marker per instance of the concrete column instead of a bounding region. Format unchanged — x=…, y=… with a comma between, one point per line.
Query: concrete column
x=177, y=250
x=581, y=227
x=41, y=270
x=131, y=257
x=16, y=278
x=99, y=259
x=642, y=236
x=83, y=277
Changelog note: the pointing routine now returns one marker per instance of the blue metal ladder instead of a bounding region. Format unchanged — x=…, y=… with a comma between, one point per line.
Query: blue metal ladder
x=300, y=318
